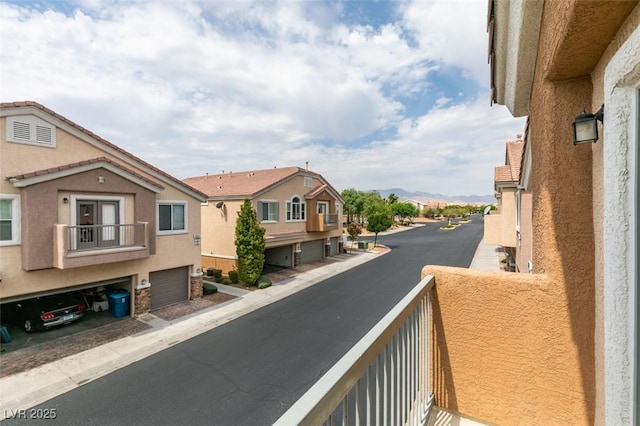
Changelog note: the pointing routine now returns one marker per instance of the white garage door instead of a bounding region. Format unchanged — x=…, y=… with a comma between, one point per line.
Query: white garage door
x=169, y=286
x=312, y=251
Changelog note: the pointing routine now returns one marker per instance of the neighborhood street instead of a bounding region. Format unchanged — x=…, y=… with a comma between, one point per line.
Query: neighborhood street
x=251, y=370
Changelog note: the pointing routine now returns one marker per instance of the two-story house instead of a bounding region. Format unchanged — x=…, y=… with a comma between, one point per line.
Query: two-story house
x=512, y=219
x=300, y=211
x=79, y=213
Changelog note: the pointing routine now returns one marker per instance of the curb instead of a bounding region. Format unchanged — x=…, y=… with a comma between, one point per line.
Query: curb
x=21, y=391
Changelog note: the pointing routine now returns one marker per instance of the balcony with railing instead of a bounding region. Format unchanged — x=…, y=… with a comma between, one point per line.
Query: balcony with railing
x=87, y=245
x=321, y=222
x=463, y=347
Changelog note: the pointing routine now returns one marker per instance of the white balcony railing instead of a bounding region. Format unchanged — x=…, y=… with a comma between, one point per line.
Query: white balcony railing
x=383, y=379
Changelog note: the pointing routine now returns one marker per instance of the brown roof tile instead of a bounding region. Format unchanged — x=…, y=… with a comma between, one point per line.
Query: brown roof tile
x=84, y=163
x=514, y=158
x=243, y=184
x=503, y=174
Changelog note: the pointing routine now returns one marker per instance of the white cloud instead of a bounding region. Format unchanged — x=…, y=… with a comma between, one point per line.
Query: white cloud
x=195, y=87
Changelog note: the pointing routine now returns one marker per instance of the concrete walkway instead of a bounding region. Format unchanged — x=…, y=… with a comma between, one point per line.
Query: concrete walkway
x=23, y=390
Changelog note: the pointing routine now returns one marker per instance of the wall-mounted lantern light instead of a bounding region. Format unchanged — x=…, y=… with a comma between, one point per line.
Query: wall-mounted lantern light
x=65, y=200
x=196, y=239
x=585, y=126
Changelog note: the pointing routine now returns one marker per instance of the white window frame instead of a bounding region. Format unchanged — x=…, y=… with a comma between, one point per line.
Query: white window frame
x=620, y=248
x=92, y=197
x=322, y=203
x=34, y=123
x=15, y=219
x=172, y=203
x=277, y=213
x=289, y=209
x=308, y=181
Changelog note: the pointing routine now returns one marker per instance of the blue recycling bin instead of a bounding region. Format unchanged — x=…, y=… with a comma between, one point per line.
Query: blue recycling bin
x=119, y=303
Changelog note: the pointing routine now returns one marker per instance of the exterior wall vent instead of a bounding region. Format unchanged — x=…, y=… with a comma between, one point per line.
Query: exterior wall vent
x=29, y=129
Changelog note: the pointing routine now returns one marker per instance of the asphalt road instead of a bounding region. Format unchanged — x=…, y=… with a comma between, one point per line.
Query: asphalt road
x=249, y=371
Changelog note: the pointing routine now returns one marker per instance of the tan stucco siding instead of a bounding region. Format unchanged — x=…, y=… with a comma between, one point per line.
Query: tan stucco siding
x=503, y=351
x=523, y=252
x=492, y=228
x=218, y=228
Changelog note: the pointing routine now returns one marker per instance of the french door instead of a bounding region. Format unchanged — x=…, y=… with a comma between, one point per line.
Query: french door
x=97, y=224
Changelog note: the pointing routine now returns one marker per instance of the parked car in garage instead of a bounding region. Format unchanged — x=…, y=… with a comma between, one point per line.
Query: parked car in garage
x=41, y=313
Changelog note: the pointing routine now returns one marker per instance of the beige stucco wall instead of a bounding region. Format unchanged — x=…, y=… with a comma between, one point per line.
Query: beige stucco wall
x=523, y=252
x=507, y=212
x=500, y=225
x=170, y=250
x=492, y=228
x=501, y=351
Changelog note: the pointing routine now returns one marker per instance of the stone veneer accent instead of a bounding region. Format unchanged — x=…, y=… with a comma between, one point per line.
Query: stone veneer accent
x=142, y=301
x=196, y=286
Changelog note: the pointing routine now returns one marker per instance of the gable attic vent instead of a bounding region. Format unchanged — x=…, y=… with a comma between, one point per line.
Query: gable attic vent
x=31, y=130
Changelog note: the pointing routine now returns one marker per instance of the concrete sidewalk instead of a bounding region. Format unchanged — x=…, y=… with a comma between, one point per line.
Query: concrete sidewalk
x=24, y=390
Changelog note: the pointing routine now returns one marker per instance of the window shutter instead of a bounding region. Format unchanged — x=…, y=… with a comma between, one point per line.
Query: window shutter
x=277, y=210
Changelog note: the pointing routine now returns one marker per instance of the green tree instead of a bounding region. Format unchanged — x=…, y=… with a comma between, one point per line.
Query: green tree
x=392, y=198
x=404, y=211
x=250, y=244
x=353, y=204
x=379, y=221
x=373, y=202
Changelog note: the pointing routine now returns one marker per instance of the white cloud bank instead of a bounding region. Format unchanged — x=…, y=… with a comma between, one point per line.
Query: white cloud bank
x=196, y=87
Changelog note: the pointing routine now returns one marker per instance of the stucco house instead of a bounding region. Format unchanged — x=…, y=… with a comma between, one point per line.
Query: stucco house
x=79, y=213
x=559, y=345
x=511, y=221
x=300, y=211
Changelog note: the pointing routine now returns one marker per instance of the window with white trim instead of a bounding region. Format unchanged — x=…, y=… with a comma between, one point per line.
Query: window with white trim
x=31, y=130
x=9, y=219
x=296, y=210
x=172, y=217
x=308, y=182
x=268, y=211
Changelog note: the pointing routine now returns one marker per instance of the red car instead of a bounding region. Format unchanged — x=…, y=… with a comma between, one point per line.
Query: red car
x=41, y=313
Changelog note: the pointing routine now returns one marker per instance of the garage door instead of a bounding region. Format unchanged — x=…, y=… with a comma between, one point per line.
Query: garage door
x=312, y=251
x=169, y=286
x=334, y=246
x=278, y=256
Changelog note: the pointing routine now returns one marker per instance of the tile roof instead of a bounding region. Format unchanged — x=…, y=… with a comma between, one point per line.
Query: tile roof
x=99, y=139
x=503, y=174
x=243, y=184
x=510, y=172
x=514, y=157
x=83, y=163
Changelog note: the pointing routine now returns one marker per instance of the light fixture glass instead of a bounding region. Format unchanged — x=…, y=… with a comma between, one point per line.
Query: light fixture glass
x=585, y=126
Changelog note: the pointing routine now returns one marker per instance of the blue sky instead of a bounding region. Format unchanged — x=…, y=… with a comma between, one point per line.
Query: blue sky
x=373, y=94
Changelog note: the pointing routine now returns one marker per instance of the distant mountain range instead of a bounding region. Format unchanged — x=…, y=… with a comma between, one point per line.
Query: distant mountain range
x=424, y=197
